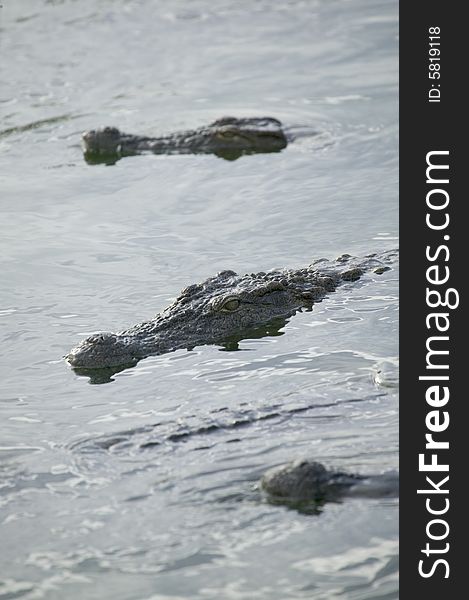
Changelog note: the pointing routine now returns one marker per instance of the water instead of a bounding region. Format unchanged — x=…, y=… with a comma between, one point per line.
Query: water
x=146, y=487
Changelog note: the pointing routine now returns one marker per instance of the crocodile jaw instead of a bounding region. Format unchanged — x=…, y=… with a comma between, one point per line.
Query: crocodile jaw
x=104, y=350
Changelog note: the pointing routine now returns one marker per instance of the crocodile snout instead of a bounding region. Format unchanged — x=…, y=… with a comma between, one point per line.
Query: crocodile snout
x=100, y=350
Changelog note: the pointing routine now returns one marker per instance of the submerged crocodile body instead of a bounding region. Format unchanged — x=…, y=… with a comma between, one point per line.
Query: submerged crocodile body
x=225, y=309
x=227, y=138
x=304, y=483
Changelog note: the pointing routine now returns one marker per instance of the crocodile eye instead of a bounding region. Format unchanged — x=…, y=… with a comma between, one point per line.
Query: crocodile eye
x=227, y=134
x=230, y=305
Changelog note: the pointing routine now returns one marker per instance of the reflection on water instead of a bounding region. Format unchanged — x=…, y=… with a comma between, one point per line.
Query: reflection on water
x=148, y=488
x=92, y=158
x=104, y=375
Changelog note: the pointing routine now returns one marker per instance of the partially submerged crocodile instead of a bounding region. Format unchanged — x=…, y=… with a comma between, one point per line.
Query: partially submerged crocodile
x=308, y=483
x=227, y=138
x=223, y=310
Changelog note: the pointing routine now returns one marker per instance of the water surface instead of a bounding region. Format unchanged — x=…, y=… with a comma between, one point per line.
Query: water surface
x=146, y=487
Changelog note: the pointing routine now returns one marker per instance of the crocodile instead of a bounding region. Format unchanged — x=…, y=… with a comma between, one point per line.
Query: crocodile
x=225, y=309
x=228, y=138
x=307, y=483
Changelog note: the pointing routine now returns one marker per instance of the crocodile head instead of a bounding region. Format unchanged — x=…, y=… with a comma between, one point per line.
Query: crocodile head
x=227, y=138
x=102, y=141
x=221, y=310
x=225, y=309
x=300, y=480
x=306, y=483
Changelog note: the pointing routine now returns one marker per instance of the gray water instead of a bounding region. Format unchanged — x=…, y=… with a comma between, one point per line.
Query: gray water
x=145, y=488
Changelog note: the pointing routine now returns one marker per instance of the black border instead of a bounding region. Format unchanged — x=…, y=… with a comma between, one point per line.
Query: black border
x=426, y=126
